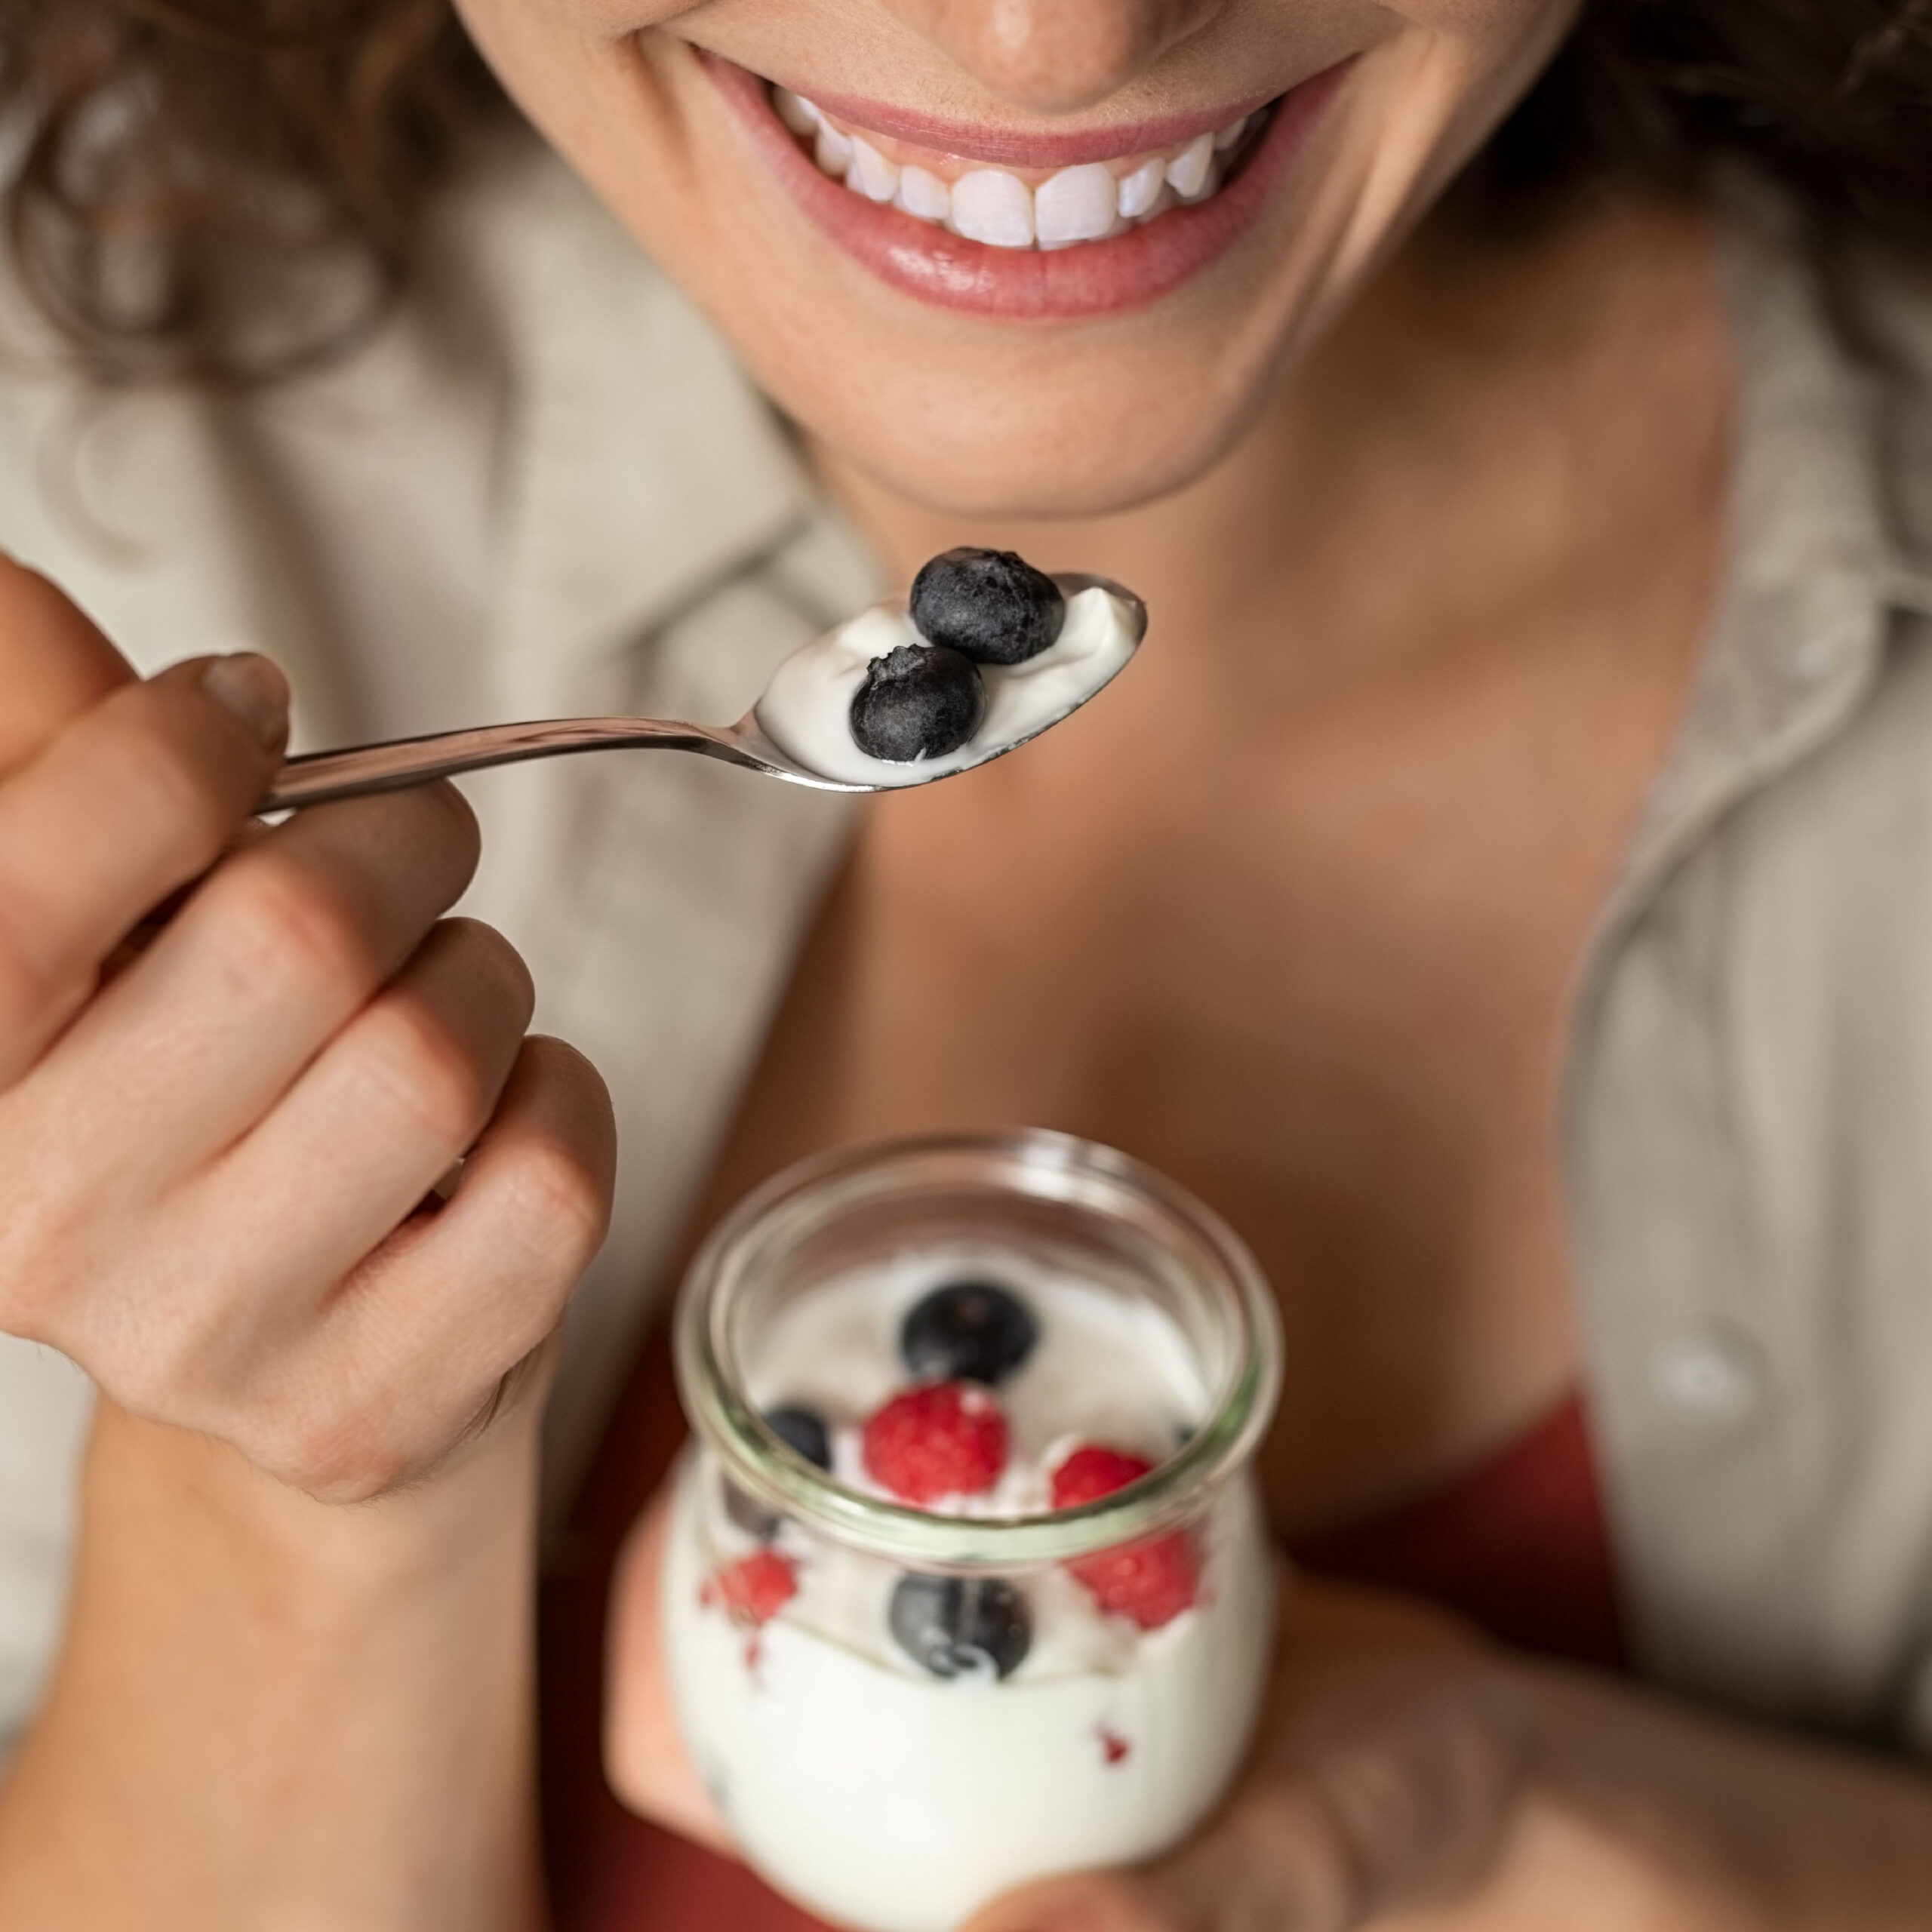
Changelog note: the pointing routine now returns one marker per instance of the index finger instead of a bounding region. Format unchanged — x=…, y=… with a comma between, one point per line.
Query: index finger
x=55, y=662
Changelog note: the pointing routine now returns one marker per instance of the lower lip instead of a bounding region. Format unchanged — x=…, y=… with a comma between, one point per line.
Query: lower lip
x=1028, y=284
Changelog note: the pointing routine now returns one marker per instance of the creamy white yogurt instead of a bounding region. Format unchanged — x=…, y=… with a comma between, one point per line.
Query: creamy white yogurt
x=888, y=1798
x=807, y=709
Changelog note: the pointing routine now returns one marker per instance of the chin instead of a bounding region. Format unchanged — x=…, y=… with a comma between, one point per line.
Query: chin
x=1004, y=442
x=980, y=465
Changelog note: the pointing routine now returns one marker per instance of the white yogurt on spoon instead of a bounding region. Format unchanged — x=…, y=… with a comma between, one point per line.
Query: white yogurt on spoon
x=807, y=709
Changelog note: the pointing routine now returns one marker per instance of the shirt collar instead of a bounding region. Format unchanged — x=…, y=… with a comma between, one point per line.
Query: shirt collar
x=1812, y=572
x=640, y=469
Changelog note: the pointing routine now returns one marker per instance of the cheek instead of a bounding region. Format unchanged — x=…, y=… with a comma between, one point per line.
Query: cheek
x=528, y=25
x=1500, y=45
x=569, y=64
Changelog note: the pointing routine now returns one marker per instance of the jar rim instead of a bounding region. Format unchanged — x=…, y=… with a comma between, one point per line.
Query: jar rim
x=1036, y=1163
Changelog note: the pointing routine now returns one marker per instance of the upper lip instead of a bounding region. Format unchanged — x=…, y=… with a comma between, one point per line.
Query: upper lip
x=1031, y=147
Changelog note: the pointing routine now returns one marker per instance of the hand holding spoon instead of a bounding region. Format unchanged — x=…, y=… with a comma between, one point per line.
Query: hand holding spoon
x=1074, y=633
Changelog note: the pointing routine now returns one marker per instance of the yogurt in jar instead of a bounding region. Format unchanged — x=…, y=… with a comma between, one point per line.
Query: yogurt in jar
x=887, y=1778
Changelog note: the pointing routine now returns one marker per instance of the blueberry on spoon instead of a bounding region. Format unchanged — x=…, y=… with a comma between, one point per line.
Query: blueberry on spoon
x=990, y=605
x=917, y=701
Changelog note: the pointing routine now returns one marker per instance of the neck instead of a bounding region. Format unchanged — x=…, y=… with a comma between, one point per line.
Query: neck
x=1487, y=423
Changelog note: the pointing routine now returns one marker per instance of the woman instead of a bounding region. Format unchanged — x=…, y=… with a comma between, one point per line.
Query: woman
x=1500, y=889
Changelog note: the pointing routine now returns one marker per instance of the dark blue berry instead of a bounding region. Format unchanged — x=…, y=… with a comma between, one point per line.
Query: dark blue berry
x=799, y=1428
x=968, y=1331
x=953, y=1625
x=990, y=605
x=803, y=1430
x=918, y=701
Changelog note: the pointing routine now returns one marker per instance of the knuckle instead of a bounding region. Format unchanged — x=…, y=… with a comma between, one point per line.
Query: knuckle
x=34, y=1292
x=38, y=993
x=58, y=1238
x=281, y=922
x=334, y=1455
x=429, y=1076
x=182, y=1363
x=562, y=1202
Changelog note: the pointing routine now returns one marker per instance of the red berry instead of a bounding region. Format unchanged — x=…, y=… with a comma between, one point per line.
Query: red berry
x=1091, y=1472
x=941, y=1439
x=753, y=1590
x=1149, y=1583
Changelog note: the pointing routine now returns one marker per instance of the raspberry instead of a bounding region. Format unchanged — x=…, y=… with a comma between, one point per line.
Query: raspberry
x=1091, y=1472
x=753, y=1590
x=1149, y=1583
x=943, y=1438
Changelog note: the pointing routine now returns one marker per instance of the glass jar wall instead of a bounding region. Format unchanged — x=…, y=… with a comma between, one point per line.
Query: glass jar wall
x=967, y=1582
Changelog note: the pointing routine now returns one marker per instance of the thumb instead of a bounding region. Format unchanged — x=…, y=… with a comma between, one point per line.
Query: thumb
x=1085, y=1901
x=1277, y=1857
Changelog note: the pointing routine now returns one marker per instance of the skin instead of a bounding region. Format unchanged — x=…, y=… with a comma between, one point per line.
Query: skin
x=989, y=421
x=1431, y=527
x=231, y=1127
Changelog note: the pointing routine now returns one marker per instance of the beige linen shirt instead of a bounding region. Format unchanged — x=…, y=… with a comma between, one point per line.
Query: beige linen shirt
x=1749, y=1101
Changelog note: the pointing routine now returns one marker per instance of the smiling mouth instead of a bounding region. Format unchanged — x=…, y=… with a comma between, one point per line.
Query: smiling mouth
x=1004, y=208
x=1065, y=226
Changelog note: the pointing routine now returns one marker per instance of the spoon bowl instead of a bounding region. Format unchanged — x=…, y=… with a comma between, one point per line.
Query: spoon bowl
x=319, y=778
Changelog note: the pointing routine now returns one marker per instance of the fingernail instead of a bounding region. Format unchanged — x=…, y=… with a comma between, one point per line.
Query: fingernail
x=254, y=689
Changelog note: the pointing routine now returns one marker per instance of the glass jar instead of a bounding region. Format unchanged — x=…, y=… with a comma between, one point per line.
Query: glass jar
x=903, y=1711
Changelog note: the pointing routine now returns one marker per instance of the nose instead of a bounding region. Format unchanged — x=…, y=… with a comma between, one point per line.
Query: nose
x=1055, y=57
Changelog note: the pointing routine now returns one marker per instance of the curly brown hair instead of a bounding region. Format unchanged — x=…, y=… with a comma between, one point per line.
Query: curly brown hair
x=193, y=175
x=185, y=166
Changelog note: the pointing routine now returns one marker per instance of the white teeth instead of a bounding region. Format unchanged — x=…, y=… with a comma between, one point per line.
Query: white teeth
x=1187, y=173
x=797, y=113
x=992, y=206
x=875, y=177
x=1076, y=205
x=834, y=150
x=1209, y=186
x=1088, y=203
x=1139, y=190
x=1166, y=199
x=924, y=195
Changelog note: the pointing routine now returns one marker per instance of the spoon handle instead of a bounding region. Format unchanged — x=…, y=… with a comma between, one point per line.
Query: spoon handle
x=318, y=778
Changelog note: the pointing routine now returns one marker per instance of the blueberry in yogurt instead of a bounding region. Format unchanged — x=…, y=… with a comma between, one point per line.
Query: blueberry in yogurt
x=952, y=1626
x=968, y=1331
x=802, y=1430
x=990, y=605
x=918, y=701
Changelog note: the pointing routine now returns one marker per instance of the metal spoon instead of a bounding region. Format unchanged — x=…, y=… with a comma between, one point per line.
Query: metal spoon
x=318, y=778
